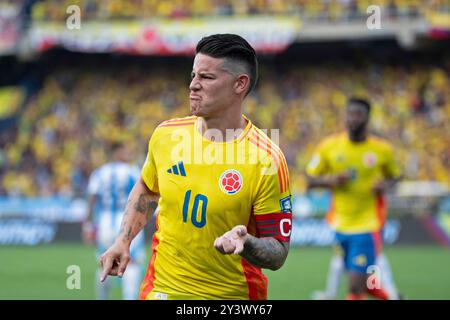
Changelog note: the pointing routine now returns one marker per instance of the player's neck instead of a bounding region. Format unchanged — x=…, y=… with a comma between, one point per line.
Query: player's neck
x=228, y=122
x=357, y=137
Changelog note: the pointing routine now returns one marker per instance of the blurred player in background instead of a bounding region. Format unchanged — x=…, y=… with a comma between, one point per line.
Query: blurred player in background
x=219, y=223
x=358, y=168
x=336, y=271
x=108, y=190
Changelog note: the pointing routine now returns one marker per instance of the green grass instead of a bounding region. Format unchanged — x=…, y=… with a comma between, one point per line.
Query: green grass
x=419, y=272
x=40, y=272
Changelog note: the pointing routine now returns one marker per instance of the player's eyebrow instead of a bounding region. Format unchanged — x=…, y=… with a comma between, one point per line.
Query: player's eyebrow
x=202, y=73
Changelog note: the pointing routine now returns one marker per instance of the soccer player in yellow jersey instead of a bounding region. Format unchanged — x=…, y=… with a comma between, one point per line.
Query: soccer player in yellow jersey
x=359, y=168
x=222, y=188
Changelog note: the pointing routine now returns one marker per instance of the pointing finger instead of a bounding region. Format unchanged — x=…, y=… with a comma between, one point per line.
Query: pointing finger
x=107, y=264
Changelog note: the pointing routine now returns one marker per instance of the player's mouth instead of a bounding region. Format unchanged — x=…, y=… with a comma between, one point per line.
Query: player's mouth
x=194, y=97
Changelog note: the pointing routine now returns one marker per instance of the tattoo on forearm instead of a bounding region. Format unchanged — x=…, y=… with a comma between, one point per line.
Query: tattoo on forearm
x=128, y=236
x=132, y=224
x=145, y=205
x=142, y=204
x=265, y=252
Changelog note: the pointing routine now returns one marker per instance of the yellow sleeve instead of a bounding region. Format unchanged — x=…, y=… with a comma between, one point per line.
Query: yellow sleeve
x=273, y=195
x=318, y=165
x=149, y=171
x=391, y=168
x=272, y=208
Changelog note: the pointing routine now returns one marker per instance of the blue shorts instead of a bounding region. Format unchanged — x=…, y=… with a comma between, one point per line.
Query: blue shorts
x=360, y=250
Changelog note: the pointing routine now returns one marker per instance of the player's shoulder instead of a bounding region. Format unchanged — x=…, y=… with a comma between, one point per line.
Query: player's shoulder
x=262, y=140
x=271, y=152
x=332, y=140
x=380, y=142
x=104, y=167
x=95, y=173
x=166, y=128
x=177, y=122
x=101, y=171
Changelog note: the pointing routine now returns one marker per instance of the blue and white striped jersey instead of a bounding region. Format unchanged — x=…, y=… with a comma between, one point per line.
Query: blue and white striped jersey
x=112, y=183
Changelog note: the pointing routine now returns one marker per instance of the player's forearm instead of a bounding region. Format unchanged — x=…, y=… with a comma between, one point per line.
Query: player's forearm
x=138, y=211
x=266, y=253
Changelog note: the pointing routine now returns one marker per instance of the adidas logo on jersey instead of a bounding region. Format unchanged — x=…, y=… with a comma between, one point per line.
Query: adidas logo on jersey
x=178, y=169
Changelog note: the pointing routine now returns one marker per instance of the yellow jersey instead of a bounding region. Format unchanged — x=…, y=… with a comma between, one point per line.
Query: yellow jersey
x=206, y=188
x=355, y=208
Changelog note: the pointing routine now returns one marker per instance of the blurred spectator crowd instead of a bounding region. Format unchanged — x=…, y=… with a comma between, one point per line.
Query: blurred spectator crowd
x=330, y=10
x=84, y=106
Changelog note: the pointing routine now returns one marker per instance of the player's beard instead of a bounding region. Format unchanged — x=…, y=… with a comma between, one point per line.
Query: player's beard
x=358, y=132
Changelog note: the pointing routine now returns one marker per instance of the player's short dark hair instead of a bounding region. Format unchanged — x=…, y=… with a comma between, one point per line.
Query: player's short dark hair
x=360, y=101
x=234, y=48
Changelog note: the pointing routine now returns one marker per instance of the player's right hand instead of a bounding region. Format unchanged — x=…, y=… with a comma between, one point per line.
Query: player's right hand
x=115, y=260
x=233, y=241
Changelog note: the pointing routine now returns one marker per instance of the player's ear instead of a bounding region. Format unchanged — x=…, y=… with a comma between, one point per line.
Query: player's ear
x=242, y=83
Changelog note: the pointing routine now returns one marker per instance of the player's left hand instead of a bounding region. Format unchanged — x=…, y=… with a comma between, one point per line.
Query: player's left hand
x=232, y=241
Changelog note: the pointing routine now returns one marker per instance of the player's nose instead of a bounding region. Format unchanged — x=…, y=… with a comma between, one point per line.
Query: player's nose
x=194, y=85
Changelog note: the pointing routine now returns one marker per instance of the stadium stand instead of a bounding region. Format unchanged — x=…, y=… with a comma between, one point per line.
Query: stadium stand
x=87, y=102
x=329, y=10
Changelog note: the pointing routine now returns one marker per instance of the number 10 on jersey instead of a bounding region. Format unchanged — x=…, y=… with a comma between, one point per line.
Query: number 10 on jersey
x=201, y=201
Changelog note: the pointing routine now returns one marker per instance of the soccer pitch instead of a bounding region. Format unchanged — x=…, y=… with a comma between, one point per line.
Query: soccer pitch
x=40, y=272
